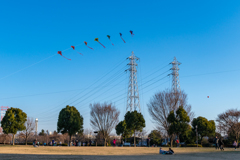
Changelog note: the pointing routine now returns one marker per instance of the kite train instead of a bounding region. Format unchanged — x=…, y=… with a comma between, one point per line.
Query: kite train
x=110, y=39
x=73, y=47
x=96, y=39
x=60, y=52
x=121, y=37
x=87, y=45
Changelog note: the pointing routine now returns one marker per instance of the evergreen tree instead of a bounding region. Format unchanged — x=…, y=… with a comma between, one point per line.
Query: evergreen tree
x=121, y=129
x=13, y=121
x=135, y=122
x=204, y=127
x=155, y=137
x=70, y=121
x=178, y=122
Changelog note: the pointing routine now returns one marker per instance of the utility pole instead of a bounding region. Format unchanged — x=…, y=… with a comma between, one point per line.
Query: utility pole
x=197, y=135
x=133, y=102
x=47, y=137
x=36, y=126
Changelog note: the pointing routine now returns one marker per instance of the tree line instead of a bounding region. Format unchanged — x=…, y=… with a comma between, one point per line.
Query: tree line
x=169, y=111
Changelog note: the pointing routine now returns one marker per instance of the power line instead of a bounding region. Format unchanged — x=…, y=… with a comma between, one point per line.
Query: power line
x=124, y=93
x=94, y=83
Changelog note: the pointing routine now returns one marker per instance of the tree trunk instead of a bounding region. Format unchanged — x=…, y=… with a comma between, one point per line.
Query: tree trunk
x=105, y=142
x=171, y=142
x=70, y=140
x=26, y=138
x=171, y=139
x=134, y=139
x=13, y=140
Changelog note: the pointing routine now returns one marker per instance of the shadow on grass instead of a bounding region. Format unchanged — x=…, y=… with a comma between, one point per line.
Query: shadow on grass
x=182, y=156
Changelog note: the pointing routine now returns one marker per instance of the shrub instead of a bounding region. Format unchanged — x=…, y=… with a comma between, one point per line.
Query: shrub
x=64, y=144
x=193, y=145
x=208, y=145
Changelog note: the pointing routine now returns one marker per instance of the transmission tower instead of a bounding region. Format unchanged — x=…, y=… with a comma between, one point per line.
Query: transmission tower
x=175, y=76
x=133, y=102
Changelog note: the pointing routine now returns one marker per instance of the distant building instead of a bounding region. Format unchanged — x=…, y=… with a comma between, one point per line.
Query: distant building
x=2, y=113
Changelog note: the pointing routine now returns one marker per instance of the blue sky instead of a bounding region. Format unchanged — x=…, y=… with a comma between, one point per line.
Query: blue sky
x=203, y=35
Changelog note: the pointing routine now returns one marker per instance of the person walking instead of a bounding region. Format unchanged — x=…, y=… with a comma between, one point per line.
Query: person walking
x=220, y=144
x=148, y=142
x=177, y=141
x=235, y=145
x=216, y=142
x=114, y=142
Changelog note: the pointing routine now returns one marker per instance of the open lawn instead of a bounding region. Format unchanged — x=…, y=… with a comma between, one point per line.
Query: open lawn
x=94, y=153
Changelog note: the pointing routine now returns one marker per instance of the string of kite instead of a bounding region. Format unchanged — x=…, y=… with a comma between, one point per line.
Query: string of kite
x=97, y=40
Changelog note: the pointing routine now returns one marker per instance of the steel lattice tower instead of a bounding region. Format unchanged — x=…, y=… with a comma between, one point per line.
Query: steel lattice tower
x=175, y=76
x=133, y=102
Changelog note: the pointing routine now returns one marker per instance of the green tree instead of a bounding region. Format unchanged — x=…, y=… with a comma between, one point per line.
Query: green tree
x=178, y=122
x=70, y=121
x=42, y=133
x=135, y=122
x=121, y=129
x=155, y=137
x=13, y=121
x=188, y=136
x=204, y=127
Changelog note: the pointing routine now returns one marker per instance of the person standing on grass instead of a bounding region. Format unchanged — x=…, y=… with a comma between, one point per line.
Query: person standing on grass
x=148, y=142
x=216, y=142
x=235, y=145
x=114, y=142
x=177, y=141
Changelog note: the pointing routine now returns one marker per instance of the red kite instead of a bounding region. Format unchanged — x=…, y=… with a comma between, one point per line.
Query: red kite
x=60, y=52
x=87, y=45
x=131, y=33
x=73, y=47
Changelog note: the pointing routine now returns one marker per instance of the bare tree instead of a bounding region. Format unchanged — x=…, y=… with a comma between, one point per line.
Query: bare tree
x=104, y=117
x=162, y=103
x=5, y=138
x=30, y=126
x=87, y=133
x=229, y=122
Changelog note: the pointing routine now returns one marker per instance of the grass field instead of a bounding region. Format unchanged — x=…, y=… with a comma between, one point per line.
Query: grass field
x=94, y=153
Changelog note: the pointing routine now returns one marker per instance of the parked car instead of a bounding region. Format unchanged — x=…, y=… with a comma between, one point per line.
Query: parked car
x=164, y=143
x=142, y=144
x=127, y=144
